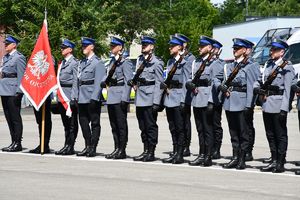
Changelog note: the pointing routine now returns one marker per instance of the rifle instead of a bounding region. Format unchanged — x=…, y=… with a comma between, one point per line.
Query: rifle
x=236, y=71
x=202, y=67
x=112, y=70
x=233, y=75
x=167, y=82
x=265, y=86
x=139, y=71
x=173, y=70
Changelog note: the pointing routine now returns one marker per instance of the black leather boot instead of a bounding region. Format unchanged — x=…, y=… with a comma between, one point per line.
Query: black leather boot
x=91, y=151
x=121, y=154
x=280, y=164
x=249, y=156
x=269, y=160
x=83, y=152
x=61, y=150
x=150, y=156
x=170, y=159
x=16, y=147
x=297, y=172
x=241, y=164
x=199, y=160
x=69, y=150
x=207, y=162
x=178, y=159
x=174, y=150
x=9, y=147
x=186, y=151
x=216, y=154
x=37, y=150
x=234, y=160
x=112, y=154
x=142, y=155
x=272, y=165
x=297, y=163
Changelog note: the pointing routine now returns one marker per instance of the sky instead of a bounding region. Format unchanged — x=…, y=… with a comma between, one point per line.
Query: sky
x=216, y=1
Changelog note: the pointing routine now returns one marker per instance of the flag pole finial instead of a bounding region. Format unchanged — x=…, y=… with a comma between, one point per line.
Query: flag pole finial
x=45, y=13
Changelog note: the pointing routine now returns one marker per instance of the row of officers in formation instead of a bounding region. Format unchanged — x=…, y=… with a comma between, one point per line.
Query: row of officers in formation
x=205, y=83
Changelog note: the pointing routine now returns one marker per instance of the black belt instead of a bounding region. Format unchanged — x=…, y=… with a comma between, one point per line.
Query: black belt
x=65, y=85
x=202, y=83
x=89, y=82
x=116, y=84
x=175, y=85
x=238, y=89
x=7, y=75
x=145, y=83
x=274, y=92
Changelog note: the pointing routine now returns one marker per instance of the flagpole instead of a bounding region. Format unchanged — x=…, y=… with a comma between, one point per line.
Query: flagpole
x=43, y=115
x=43, y=130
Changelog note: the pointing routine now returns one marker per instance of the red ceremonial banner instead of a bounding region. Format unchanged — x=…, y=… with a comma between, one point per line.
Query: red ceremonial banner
x=39, y=79
x=61, y=95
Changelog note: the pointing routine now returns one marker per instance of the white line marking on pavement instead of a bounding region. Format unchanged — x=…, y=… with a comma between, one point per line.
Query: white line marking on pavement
x=128, y=160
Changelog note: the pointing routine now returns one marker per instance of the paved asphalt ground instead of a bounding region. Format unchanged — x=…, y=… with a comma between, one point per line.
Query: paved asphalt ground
x=29, y=177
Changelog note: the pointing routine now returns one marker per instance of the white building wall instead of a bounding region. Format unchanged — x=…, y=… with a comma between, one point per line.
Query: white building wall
x=251, y=30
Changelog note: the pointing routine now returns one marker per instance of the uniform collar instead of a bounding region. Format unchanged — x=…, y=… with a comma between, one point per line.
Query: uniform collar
x=68, y=57
x=12, y=52
x=90, y=56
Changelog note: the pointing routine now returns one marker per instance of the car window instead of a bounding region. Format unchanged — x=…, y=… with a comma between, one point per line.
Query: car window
x=294, y=51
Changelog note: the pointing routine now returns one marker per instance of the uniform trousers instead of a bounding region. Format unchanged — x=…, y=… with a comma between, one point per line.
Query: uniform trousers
x=147, y=124
x=238, y=130
x=250, y=128
x=299, y=119
x=89, y=113
x=118, y=122
x=187, y=126
x=175, y=120
x=217, y=125
x=70, y=124
x=13, y=117
x=204, y=125
x=276, y=131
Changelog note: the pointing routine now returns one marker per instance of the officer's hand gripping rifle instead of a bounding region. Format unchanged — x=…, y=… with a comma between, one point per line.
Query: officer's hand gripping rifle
x=139, y=71
x=225, y=86
x=112, y=70
x=202, y=67
x=167, y=83
x=236, y=70
x=264, y=87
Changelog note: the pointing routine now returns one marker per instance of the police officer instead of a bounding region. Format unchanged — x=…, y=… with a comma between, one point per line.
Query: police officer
x=217, y=115
x=249, y=111
x=275, y=104
x=11, y=74
x=187, y=127
x=238, y=97
x=118, y=97
x=90, y=73
x=147, y=98
x=296, y=90
x=203, y=99
x=68, y=71
x=174, y=100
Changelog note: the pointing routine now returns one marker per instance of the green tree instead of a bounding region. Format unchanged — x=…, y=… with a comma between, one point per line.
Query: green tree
x=66, y=19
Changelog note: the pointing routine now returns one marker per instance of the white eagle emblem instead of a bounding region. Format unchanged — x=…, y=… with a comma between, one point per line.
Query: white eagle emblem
x=40, y=66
